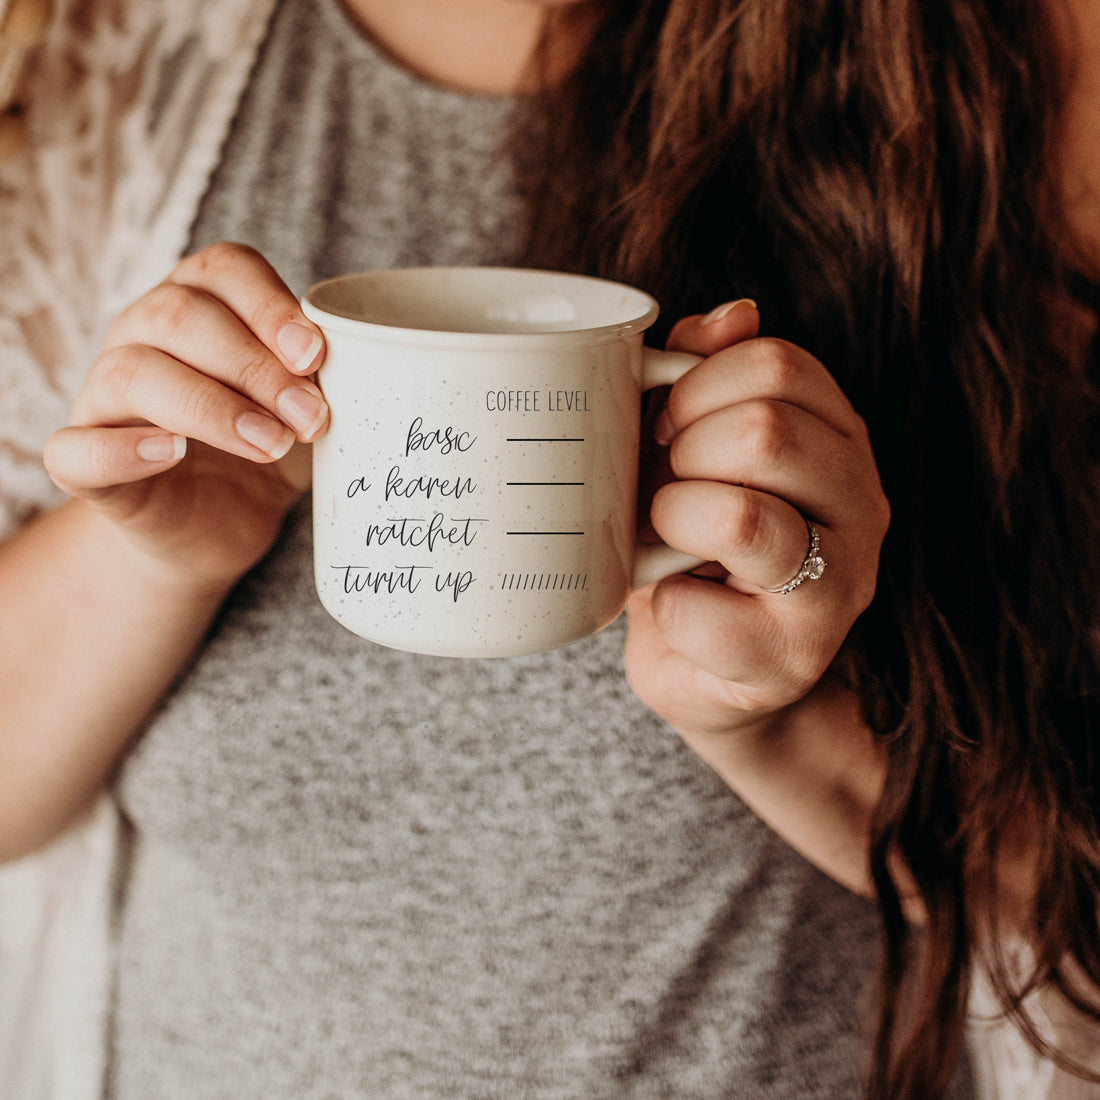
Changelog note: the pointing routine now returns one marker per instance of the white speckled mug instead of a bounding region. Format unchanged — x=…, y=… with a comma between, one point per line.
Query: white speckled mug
x=475, y=494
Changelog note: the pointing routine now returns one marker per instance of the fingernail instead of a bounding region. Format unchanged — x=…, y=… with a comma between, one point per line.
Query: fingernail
x=265, y=432
x=303, y=408
x=724, y=310
x=162, y=448
x=298, y=345
x=663, y=430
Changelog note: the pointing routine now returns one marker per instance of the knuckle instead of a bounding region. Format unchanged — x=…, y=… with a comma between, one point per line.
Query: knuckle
x=272, y=309
x=169, y=308
x=801, y=666
x=864, y=584
x=802, y=674
x=117, y=329
x=116, y=372
x=736, y=523
x=860, y=429
x=881, y=514
x=216, y=260
x=864, y=590
x=670, y=611
x=680, y=406
x=767, y=432
x=776, y=362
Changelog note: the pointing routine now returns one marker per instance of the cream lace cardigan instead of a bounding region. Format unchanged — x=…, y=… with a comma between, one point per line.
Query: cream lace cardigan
x=127, y=103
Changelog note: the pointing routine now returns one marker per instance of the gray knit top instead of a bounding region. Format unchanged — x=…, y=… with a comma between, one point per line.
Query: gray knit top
x=355, y=872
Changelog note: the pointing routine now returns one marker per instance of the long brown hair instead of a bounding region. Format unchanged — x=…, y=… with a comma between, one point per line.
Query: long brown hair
x=879, y=176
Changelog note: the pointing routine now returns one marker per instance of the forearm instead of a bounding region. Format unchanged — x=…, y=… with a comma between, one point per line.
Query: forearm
x=91, y=636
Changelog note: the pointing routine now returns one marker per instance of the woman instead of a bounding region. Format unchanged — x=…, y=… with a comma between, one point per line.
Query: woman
x=352, y=862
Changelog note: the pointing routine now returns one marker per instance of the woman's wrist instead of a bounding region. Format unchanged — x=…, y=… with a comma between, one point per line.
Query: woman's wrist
x=166, y=579
x=813, y=771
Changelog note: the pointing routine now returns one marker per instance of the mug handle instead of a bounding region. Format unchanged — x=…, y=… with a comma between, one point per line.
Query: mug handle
x=655, y=561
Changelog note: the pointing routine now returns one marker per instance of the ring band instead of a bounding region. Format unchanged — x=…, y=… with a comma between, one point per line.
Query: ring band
x=813, y=565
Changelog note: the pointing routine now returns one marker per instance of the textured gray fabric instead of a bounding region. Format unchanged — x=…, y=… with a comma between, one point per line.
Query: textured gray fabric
x=360, y=873
x=340, y=161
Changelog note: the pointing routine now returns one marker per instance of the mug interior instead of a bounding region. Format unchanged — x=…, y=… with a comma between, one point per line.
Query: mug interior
x=482, y=301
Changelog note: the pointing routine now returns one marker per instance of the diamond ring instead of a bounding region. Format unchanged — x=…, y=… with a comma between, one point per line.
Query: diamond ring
x=813, y=565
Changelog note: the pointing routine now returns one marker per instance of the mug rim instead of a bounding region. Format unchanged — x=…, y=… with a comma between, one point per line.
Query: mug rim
x=336, y=321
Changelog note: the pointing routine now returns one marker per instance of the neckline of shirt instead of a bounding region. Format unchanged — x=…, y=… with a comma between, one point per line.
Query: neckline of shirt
x=358, y=40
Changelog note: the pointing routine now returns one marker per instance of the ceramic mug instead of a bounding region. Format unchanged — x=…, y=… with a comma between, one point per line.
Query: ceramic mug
x=475, y=494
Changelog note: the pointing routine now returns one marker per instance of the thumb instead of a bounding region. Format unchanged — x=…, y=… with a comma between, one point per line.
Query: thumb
x=705, y=334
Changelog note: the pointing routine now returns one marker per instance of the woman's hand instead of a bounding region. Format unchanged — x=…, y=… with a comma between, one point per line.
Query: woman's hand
x=183, y=434
x=762, y=443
